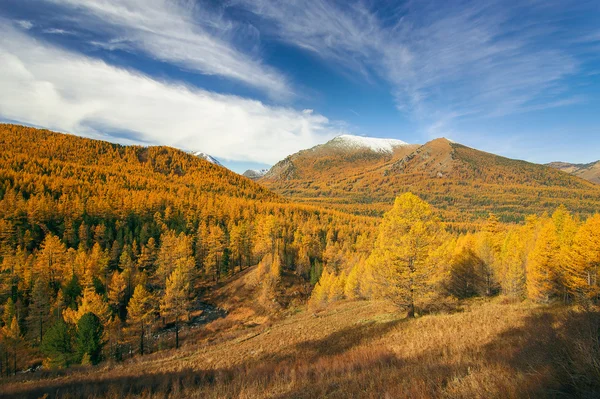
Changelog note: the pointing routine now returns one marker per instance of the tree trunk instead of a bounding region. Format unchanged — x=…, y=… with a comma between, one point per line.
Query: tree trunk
x=177, y=333
x=142, y=341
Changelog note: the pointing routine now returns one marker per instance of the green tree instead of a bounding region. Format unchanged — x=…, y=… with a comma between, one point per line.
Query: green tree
x=57, y=345
x=89, y=339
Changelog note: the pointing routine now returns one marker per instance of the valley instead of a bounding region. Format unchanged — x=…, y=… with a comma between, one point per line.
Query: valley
x=361, y=349
x=130, y=271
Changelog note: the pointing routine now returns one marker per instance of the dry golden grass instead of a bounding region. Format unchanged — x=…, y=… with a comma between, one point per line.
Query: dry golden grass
x=490, y=349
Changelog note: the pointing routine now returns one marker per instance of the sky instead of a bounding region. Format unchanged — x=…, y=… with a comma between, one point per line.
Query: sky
x=252, y=81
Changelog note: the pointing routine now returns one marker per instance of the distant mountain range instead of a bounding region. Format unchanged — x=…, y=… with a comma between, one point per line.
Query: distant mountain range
x=588, y=171
x=364, y=175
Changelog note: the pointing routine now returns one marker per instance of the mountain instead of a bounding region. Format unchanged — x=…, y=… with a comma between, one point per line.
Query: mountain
x=348, y=141
x=345, y=155
x=588, y=171
x=465, y=184
x=207, y=157
x=254, y=174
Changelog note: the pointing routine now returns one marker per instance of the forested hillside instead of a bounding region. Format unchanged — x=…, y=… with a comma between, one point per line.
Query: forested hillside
x=111, y=252
x=464, y=183
x=130, y=234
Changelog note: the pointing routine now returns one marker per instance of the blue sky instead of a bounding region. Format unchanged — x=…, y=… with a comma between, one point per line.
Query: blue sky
x=252, y=81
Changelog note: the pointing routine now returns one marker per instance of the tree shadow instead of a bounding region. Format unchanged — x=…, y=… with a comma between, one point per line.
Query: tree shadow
x=551, y=354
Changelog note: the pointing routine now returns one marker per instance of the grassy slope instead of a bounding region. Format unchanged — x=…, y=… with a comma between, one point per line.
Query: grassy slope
x=354, y=349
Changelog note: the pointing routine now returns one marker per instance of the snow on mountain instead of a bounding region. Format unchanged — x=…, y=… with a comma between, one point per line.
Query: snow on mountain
x=372, y=143
x=207, y=157
x=255, y=174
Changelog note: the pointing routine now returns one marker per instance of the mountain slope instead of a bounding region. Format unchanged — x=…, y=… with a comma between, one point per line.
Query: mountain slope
x=255, y=174
x=344, y=154
x=589, y=171
x=464, y=183
x=74, y=163
x=207, y=157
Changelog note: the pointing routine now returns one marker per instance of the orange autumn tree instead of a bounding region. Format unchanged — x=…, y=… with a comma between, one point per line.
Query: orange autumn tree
x=542, y=264
x=400, y=264
x=584, y=270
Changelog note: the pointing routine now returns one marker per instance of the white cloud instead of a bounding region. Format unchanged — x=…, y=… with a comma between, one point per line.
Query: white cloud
x=25, y=24
x=441, y=59
x=181, y=33
x=46, y=86
x=57, y=31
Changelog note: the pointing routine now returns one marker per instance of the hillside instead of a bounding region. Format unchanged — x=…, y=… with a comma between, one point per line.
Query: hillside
x=346, y=155
x=148, y=271
x=355, y=349
x=464, y=183
x=589, y=171
x=86, y=224
x=255, y=174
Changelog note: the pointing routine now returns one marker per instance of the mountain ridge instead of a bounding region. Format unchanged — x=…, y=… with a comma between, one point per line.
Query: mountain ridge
x=589, y=171
x=465, y=183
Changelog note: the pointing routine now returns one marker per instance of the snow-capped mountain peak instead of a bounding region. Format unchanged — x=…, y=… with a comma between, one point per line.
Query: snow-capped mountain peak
x=372, y=143
x=255, y=173
x=207, y=157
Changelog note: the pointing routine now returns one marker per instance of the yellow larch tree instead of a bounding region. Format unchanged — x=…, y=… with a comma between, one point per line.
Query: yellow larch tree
x=176, y=302
x=140, y=313
x=583, y=274
x=408, y=234
x=541, y=264
x=91, y=302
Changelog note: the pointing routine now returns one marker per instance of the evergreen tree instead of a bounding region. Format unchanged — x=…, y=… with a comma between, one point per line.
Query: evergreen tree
x=89, y=339
x=57, y=345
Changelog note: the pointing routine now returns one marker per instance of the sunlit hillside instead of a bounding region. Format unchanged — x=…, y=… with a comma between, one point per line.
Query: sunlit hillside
x=132, y=271
x=466, y=184
x=492, y=349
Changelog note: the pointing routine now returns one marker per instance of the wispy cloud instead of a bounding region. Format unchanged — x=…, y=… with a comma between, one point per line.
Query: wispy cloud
x=25, y=24
x=57, y=31
x=441, y=58
x=47, y=86
x=178, y=32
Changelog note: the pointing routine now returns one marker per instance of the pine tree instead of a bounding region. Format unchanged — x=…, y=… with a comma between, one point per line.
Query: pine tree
x=57, y=345
x=89, y=339
x=72, y=292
